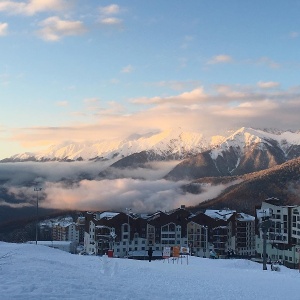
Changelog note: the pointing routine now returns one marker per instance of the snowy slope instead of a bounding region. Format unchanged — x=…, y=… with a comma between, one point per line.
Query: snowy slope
x=244, y=138
x=246, y=150
x=171, y=142
x=37, y=272
x=176, y=142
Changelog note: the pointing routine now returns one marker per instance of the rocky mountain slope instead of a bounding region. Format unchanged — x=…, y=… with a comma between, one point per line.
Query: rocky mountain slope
x=245, y=151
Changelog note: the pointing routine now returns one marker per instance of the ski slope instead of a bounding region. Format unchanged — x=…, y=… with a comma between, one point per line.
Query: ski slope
x=38, y=272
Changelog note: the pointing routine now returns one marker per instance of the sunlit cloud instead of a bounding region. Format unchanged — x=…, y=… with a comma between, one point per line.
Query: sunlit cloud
x=110, y=21
x=107, y=15
x=228, y=92
x=110, y=9
x=268, y=84
x=144, y=190
x=53, y=29
x=222, y=58
x=177, y=85
x=3, y=29
x=196, y=110
x=195, y=95
x=33, y=7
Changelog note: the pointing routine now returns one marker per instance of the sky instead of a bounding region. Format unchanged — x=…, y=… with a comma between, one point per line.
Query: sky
x=55, y=274
x=91, y=70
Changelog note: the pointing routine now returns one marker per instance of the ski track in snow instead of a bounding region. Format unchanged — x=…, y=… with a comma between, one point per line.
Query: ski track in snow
x=38, y=272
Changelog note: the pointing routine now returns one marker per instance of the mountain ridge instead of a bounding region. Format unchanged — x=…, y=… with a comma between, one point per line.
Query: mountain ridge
x=172, y=143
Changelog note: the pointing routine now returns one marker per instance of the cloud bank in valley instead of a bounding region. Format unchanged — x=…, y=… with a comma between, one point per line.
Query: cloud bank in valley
x=149, y=193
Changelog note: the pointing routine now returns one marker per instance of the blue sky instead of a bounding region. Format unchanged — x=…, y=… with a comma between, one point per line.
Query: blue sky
x=87, y=70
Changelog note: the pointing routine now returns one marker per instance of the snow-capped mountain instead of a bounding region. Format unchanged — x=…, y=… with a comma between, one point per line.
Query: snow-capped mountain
x=171, y=143
x=247, y=150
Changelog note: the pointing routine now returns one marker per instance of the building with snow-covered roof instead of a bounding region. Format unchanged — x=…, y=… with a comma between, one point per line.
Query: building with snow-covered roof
x=65, y=230
x=223, y=231
x=283, y=236
x=218, y=230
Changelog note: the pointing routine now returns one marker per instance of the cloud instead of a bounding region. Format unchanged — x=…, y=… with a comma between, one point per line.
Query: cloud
x=110, y=9
x=3, y=29
x=222, y=58
x=107, y=15
x=127, y=69
x=54, y=29
x=33, y=7
x=110, y=21
x=224, y=107
x=193, y=96
x=294, y=34
x=268, y=84
x=267, y=62
x=177, y=85
x=142, y=195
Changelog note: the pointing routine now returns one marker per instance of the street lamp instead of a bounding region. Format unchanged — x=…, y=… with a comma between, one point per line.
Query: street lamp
x=128, y=210
x=37, y=190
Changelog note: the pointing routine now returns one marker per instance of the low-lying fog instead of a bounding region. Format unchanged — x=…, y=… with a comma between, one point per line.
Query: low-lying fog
x=76, y=185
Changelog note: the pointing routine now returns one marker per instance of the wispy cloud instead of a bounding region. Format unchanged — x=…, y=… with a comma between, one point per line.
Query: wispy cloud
x=197, y=110
x=268, y=84
x=177, y=85
x=110, y=9
x=220, y=59
x=294, y=34
x=3, y=29
x=193, y=96
x=108, y=15
x=267, y=62
x=53, y=28
x=33, y=7
x=127, y=69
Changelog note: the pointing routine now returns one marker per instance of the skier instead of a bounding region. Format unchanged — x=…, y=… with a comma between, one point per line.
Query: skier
x=150, y=252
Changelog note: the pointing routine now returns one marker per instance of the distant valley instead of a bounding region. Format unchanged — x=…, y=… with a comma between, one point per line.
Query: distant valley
x=158, y=171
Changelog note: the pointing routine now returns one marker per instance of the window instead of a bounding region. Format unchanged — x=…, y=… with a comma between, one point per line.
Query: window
x=171, y=227
x=164, y=228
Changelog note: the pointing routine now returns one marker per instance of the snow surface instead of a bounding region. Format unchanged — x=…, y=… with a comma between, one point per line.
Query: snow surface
x=39, y=272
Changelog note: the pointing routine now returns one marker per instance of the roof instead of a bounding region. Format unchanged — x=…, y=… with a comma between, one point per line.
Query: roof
x=106, y=215
x=245, y=217
x=223, y=214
